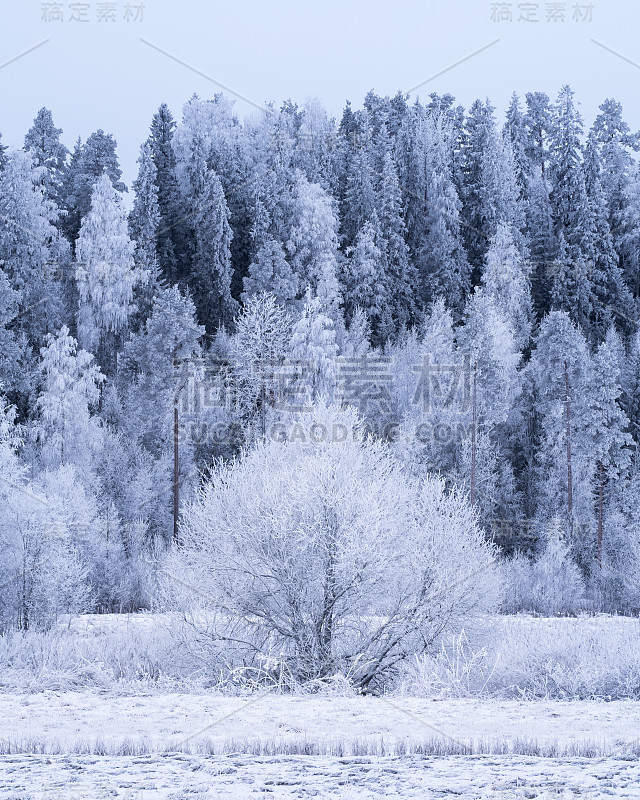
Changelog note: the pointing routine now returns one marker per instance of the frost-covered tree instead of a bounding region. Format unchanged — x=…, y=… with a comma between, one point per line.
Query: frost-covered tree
x=88, y=162
x=364, y=282
x=313, y=349
x=43, y=144
x=539, y=125
x=327, y=553
x=610, y=442
x=543, y=244
x=549, y=584
x=515, y=131
x=210, y=273
x=170, y=236
x=435, y=227
x=32, y=255
x=359, y=202
x=271, y=272
x=500, y=192
x=313, y=246
x=144, y=224
x=479, y=131
x=156, y=366
x=562, y=373
x=3, y=154
x=399, y=272
x=488, y=342
x=66, y=431
x=616, y=144
x=505, y=279
x=259, y=347
x=10, y=349
x=106, y=275
x=42, y=568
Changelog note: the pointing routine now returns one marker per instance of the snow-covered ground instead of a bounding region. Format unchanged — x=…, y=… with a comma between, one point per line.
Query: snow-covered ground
x=68, y=721
x=142, y=742
x=76, y=734
x=178, y=777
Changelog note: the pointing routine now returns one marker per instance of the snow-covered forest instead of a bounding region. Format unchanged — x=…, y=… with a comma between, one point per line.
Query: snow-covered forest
x=368, y=357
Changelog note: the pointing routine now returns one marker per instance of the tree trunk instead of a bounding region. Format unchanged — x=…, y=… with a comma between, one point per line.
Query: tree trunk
x=472, y=492
x=176, y=498
x=569, y=471
x=600, y=509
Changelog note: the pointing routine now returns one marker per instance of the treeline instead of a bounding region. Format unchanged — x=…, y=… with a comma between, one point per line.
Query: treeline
x=470, y=286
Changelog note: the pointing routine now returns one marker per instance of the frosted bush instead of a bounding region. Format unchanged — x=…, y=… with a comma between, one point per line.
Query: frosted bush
x=550, y=584
x=324, y=557
x=535, y=658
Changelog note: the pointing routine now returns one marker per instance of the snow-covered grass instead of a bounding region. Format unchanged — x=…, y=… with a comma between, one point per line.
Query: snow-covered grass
x=93, y=721
x=328, y=746
x=518, y=657
x=101, y=652
x=535, y=658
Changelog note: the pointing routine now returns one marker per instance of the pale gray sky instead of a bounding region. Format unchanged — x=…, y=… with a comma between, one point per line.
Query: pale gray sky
x=101, y=75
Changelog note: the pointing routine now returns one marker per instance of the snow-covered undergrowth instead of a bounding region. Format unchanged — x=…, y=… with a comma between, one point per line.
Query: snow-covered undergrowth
x=114, y=651
x=509, y=657
x=536, y=658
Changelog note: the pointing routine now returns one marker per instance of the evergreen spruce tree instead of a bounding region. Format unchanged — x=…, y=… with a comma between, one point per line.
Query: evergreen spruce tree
x=171, y=244
x=210, y=274
x=400, y=274
x=89, y=161
x=106, y=275
x=144, y=222
x=506, y=280
x=565, y=465
x=364, y=283
x=543, y=245
x=313, y=246
x=437, y=249
x=314, y=348
x=270, y=272
x=43, y=144
x=32, y=255
x=479, y=129
x=500, y=193
x=515, y=131
x=3, y=154
x=539, y=125
x=66, y=431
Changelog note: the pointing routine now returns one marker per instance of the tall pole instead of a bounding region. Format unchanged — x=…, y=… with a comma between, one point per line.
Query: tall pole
x=600, y=508
x=472, y=493
x=176, y=497
x=569, y=471
x=263, y=411
x=176, y=501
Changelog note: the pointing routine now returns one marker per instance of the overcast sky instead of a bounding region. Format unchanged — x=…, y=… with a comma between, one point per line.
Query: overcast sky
x=100, y=74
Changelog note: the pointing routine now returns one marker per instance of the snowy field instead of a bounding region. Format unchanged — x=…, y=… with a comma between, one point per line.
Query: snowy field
x=88, y=745
x=177, y=777
x=143, y=741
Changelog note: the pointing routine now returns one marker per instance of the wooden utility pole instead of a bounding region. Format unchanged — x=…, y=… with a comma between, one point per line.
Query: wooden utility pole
x=176, y=498
x=472, y=493
x=263, y=410
x=600, y=508
x=569, y=472
x=176, y=489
